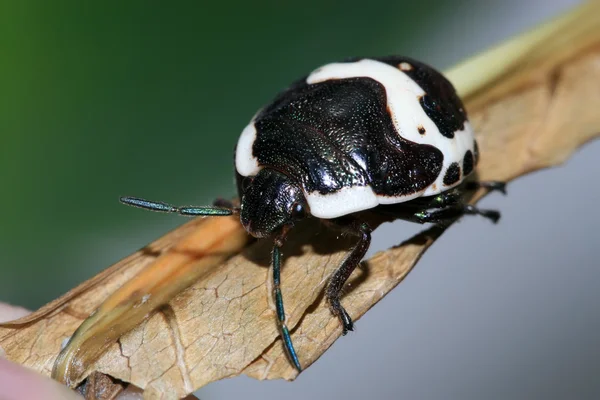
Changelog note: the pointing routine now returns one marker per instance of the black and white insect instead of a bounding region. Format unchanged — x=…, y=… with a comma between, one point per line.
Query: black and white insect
x=360, y=134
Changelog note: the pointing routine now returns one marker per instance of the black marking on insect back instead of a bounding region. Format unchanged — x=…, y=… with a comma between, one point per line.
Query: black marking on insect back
x=444, y=119
x=475, y=153
x=468, y=163
x=339, y=133
x=440, y=102
x=306, y=155
x=421, y=129
x=452, y=174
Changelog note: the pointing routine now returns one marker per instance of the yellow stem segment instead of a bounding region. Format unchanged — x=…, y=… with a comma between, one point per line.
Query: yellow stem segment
x=541, y=45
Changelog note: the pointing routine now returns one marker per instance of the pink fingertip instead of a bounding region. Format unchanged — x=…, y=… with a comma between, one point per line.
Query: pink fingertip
x=18, y=383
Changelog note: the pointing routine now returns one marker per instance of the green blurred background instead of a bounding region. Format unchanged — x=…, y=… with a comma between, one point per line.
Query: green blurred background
x=103, y=99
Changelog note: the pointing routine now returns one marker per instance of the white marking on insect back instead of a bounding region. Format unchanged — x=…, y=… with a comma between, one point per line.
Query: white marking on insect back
x=454, y=151
x=345, y=201
x=407, y=115
x=245, y=163
x=399, y=199
x=404, y=66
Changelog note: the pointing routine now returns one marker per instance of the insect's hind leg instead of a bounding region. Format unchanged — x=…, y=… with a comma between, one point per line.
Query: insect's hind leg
x=407, y=210
x=447, y=205
x=451, y=204
x=489, y=185
x=341, y=275
x=452, y=212
x=442, y=200
x=441, y=208
x=454, y=196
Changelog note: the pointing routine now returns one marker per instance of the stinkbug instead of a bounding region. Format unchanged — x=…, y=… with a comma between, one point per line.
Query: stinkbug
x=361, y=134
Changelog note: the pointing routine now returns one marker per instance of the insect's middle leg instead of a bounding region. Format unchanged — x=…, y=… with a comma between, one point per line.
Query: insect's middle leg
x=341, y=275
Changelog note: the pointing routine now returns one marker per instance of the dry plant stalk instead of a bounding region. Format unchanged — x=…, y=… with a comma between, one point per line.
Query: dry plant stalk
x=194, y=306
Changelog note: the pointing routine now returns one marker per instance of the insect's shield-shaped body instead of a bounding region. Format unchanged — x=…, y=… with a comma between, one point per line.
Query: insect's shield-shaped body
x=365, y=133
x=360, y=133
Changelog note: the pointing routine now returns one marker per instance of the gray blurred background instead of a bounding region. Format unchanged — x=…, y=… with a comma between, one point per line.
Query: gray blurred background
x=138, y=98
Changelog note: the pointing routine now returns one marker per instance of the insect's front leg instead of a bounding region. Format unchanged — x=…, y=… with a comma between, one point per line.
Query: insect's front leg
x=489, y=185
x=285, y=333
x=337, y=281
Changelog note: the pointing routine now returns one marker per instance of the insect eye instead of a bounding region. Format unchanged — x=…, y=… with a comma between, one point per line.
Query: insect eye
x=297, y=210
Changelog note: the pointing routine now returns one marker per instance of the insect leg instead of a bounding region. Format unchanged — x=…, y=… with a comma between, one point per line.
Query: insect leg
x=452, y=212
x=285, y=333
x=489, y=185
x=449, y=205
x=168, y=208
x=442, y=200
x=341, y=275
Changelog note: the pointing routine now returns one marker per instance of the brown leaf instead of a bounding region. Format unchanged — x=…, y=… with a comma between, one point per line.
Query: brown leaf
x=101, y=387
x=189, y=260
x=530, y=114
x=36, y=339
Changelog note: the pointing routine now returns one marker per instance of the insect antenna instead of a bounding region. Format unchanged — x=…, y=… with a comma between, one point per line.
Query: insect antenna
x=168, y=208
x=285, y=333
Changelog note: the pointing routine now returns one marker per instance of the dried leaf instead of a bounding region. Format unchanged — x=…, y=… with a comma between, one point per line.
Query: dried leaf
x=224, y=325
x=186, y=262
x=101, y=387
x=37, y=339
